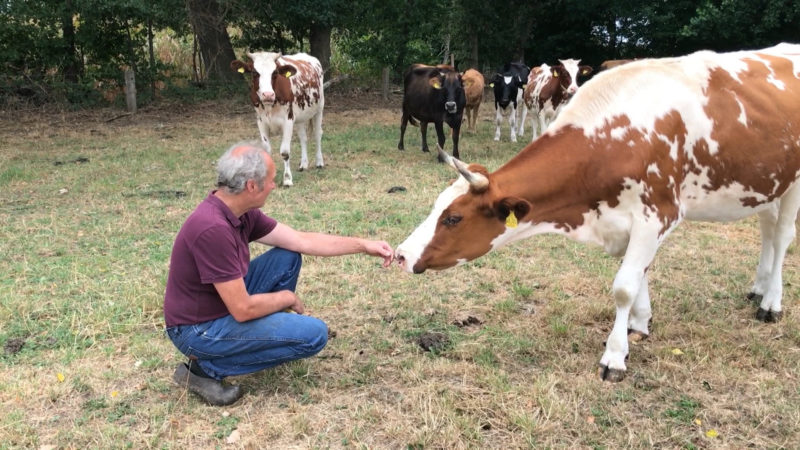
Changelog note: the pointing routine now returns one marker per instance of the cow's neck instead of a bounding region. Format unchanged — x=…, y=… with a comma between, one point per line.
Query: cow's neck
x=553, y=173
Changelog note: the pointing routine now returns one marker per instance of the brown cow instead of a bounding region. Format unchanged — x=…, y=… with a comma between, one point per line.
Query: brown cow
x=709, y=136
x=473, y=88
x=611, y=63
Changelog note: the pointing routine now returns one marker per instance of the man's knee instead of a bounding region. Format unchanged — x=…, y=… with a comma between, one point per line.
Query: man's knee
x=317, y=336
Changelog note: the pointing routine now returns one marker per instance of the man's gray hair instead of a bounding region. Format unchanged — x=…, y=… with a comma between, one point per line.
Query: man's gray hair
x=233, y=170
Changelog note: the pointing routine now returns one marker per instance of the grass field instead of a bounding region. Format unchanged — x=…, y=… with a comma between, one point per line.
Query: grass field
x=91, y=201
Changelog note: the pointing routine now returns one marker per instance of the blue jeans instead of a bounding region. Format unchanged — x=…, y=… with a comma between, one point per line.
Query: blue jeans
x=224, y=347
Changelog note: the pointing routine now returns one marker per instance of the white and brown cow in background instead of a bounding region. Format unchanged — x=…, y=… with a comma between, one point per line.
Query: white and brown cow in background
x=547, y=92
x=639, y=149
x=286, y=93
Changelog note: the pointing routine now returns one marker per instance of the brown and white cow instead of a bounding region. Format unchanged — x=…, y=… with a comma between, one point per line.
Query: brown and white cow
x=473, y=88
x=286, y=93
x=708, y=136
x=547, y=92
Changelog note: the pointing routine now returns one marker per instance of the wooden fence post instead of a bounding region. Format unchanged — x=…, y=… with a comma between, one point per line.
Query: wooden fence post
x=130, y=90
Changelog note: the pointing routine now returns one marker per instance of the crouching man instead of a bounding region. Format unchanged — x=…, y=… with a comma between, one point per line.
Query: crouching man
x=227, y=314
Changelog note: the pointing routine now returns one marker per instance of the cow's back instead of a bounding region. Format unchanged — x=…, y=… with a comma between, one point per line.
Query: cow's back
x=723, y=130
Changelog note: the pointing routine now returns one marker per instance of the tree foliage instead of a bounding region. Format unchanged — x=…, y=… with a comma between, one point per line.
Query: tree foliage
x=46, y=45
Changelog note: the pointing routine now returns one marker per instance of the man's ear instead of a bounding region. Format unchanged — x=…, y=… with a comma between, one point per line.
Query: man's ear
x=511, y=210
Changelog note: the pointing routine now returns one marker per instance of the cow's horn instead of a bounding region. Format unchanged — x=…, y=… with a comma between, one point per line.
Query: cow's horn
x=477, y=180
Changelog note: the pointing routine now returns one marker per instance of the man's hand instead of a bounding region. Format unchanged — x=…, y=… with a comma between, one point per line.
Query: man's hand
x=382, y=249
x=298, y=305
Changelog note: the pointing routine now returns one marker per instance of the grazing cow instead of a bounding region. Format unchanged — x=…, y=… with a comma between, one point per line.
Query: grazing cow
x=717, y=138
x=508, y=84
x=432, y=94
x=611, y=63
x=543, y=96
x=473, y=88
x=286, y=93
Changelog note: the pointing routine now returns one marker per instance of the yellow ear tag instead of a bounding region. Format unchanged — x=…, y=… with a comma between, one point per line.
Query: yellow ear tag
x=555, y=74
x=288, y=74
x=511, y=220
x=241, y=70
x=436, y=85
x=585, y=71
x=491, y=84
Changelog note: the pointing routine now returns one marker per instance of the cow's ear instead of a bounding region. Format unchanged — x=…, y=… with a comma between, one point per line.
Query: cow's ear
x=511, y=210
x=286, y=71
x=241, y=67
x=586, y=70
x=435, y=82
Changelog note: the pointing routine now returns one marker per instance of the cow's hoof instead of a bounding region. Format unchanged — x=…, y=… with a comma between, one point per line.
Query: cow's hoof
x=611, y=375
x=756, y=298
x=320, y=166
x=636, y=336
x=425, y=150
x=769, y=316
x=300, y=169
x=400, y=147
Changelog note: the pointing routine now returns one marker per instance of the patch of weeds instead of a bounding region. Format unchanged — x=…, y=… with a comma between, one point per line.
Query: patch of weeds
x=95, y=404
x=601, y=417
x=486, y=358
x=520, y=290
x=508, y=305
x=685, y=410
x=119, y=411
x=559, y=326
x=225, y=426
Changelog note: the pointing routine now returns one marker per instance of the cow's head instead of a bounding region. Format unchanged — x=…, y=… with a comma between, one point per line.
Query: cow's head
x=575, y=70
x=271, y=78
x=447, y=84
x=561, y=75
x=467, y=219
x=505, y=84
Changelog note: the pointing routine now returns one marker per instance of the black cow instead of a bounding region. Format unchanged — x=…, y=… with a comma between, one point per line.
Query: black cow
x=508, y=84
x=433, y=94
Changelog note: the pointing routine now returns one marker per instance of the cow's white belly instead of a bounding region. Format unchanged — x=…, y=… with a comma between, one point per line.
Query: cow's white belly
x=276, y=117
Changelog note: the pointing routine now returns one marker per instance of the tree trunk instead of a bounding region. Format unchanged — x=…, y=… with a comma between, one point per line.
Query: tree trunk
x=473, y=52
x=385, y=82
x=321, y=45
x=72, y=64
x=208, y=21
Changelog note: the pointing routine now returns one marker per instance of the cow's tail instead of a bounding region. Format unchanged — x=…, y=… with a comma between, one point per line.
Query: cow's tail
x=412, y=121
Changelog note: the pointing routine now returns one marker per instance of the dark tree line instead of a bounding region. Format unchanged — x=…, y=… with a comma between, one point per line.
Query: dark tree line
x=67, y=46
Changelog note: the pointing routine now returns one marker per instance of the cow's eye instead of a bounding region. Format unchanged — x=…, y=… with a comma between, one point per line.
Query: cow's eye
x=450, y=221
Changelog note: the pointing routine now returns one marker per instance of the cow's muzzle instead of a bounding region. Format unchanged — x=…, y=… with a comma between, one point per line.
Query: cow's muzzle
x=451, y=107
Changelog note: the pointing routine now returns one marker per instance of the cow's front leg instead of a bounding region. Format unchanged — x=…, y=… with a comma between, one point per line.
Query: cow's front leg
x=318, y=137
x=440, y=137
x=302, y=136
x=287, y=139
x=498, y=119
x=512, y=122
x=522, y=120
x=629, y=281
x=263, y=130
x=423, y=129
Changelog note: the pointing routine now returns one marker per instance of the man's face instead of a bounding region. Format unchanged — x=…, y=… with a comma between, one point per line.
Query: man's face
x=269, y=182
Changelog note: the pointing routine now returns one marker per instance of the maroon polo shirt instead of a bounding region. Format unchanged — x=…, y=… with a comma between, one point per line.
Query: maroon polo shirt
x=212, y=246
